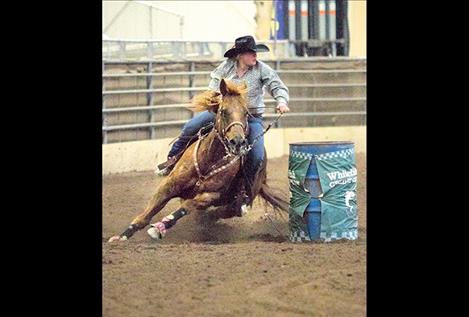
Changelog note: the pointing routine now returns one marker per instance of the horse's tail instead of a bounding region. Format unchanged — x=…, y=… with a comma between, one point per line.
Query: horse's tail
x=276, y=201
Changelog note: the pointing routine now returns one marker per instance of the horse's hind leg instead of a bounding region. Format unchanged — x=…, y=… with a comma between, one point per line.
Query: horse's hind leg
x=164, y=193
x=199, y=202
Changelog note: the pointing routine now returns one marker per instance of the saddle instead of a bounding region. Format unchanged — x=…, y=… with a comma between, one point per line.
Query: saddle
x=174, y=159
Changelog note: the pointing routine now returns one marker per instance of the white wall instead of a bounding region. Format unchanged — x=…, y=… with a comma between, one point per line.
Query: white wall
x=357, y=26
x=213, y=20
x=203, y=20
x=145, y=155
x=136, y=22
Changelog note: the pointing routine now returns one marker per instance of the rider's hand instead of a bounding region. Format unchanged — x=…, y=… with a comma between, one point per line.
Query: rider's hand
x=282, y=108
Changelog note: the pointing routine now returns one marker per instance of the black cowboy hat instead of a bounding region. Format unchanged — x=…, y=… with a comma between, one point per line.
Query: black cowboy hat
x=244, y=44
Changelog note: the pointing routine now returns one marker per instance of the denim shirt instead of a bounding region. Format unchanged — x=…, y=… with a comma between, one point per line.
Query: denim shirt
x=257, y=77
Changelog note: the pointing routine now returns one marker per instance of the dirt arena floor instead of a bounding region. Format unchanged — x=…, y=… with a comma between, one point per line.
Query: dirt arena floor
x=236, y=267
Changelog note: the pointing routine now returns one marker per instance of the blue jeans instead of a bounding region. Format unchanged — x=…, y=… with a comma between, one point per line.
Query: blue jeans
x=191, y=128
x=254, y=157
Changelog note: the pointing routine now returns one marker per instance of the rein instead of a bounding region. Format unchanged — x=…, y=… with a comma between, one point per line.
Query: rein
x=234, y=123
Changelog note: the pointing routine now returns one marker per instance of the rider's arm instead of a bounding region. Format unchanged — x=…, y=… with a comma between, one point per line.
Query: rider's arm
x=216, y=75
x=274, y=84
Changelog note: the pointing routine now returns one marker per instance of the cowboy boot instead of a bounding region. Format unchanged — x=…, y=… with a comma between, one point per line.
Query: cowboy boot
x=165, y=168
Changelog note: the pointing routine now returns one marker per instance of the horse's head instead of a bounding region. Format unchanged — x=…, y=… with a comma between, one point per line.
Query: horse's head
x=231, y=112
x=231, y=122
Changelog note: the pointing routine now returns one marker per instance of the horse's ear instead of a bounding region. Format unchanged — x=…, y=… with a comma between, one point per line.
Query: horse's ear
x=223, y=88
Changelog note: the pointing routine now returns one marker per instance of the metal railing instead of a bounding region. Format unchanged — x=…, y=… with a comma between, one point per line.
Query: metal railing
x=150, y=107
x=139, y=91
x=177, y=49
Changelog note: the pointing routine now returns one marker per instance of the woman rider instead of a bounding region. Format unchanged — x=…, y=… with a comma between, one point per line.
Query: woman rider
x=241, y=65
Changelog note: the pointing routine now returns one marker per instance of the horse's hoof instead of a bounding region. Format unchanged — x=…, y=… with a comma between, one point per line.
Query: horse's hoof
x=114, y=238
x=156, y=231
x=244, y=210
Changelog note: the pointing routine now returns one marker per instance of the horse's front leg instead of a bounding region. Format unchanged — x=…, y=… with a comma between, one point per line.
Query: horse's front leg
x=165, y=192
x=199, y=202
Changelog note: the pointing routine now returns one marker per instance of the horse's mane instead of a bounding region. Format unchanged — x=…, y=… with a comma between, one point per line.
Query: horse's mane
x=210, y=99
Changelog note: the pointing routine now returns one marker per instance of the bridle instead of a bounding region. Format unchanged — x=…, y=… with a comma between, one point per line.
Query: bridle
x=228, y=154
x=225, y=129
x=221, y=135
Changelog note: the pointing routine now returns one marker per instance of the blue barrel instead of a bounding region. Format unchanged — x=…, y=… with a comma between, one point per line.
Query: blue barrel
x=312, y=184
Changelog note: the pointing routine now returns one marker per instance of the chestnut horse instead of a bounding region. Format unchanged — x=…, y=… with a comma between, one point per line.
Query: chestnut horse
x=210, y=173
